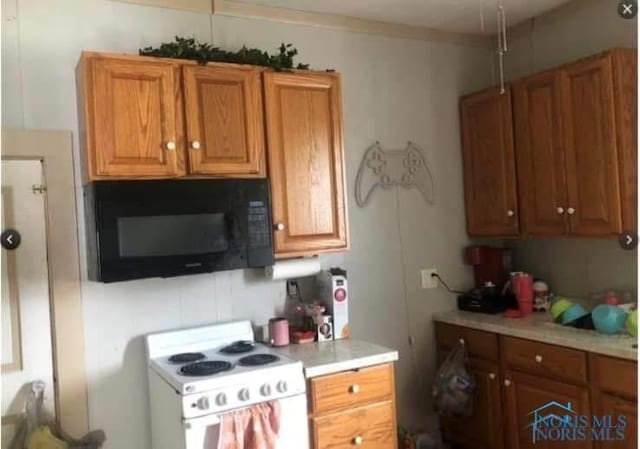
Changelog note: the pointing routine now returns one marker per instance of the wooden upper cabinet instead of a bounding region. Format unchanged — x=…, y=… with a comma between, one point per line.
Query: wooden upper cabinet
x=540, y=158
x=489, y=165
x=223, y=109
x=591, y=149
x=306, y=162
x=132, y=124
x=625, y=91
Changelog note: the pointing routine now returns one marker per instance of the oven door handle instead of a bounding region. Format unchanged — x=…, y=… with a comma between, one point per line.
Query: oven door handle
x=203, y=421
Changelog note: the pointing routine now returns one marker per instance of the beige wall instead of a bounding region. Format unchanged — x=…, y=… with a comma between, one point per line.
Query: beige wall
x=394, y=90
x=583, y=27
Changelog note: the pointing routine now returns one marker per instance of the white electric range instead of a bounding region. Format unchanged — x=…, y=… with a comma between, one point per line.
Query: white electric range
x=196, y=375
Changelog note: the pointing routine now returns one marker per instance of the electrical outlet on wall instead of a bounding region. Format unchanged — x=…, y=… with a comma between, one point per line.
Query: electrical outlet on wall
x=429, y=281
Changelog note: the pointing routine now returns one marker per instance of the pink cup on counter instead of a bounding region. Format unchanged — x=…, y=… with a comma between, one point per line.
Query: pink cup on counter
x=278, y=331
x=524, y=295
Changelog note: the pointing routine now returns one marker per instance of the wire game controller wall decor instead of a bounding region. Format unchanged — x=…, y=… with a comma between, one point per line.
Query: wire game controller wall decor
x=388, y=168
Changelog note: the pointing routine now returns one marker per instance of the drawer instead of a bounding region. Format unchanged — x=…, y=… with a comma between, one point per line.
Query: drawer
x=351, y=388
x=613, y=375
x=480, y=344
x=368, y=427
x=551, y=361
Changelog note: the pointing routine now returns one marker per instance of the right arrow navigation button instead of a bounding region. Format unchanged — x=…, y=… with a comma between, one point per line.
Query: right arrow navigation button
x=628, y=240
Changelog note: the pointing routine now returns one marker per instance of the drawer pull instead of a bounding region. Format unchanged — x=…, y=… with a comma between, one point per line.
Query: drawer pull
x=354, y=389
x=507, y=382
x=357, y=441
x=461, y=341
x=492, y=376
x=538, y=358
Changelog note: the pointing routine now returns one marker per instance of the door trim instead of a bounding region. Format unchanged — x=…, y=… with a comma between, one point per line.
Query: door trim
x=54, y=149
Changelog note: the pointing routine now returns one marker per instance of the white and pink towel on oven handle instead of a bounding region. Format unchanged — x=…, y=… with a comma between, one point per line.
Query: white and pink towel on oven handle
x=255, y=427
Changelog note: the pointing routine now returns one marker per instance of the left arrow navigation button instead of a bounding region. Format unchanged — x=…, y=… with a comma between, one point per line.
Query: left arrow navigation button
x=10, y=239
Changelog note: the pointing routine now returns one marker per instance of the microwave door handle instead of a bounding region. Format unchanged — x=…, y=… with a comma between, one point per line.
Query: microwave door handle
x=203, y=421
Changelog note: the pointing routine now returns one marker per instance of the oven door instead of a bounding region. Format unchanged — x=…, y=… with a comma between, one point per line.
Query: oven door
x=204, y=432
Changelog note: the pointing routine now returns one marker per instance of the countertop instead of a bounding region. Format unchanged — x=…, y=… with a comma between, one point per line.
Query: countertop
x=329, y=357
x=540, y=327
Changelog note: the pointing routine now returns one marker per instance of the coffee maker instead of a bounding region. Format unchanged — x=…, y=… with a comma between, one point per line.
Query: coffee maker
x=491, y=267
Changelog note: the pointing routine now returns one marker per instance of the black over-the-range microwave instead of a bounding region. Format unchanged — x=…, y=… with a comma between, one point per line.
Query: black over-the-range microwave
x=141, y=229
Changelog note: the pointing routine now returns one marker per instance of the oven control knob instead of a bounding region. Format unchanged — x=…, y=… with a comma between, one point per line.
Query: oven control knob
x=282, y=386
x=265, y=390
x=243, y=394
x=203, y=403
x=221, y=399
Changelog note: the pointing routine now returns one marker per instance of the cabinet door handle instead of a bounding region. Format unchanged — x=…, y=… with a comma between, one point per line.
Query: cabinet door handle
x=354, y=389
x=560, y=210
x=492, y=376
x=170, y=145
x=357, y=441
x=279, y=226
x=461, y=341
x=195, y=145
x=507, y=382
x=510, y=213
x=571, y=211
x=538, y=358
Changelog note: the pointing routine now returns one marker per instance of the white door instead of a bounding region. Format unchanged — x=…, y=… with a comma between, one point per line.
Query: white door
x=25, y=320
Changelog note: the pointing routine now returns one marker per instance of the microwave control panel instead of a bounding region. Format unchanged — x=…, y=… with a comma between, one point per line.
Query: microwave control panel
x=259, y=231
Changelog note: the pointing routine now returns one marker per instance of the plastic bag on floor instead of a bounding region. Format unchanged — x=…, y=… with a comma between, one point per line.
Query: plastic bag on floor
x=38, y=429
x=453, y=386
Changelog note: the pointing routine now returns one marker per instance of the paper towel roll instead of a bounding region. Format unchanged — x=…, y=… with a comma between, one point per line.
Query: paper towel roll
x=293, y=268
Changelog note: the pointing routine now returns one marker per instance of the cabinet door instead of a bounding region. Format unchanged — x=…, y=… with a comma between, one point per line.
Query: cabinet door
x=524, y=394
x=223, y=106
x=132, y=123
x=306, y=162
x=540, y=155
x=625, y=82
x=489, y=166
x=607, y=405
x=590, y=145
x=482, y=430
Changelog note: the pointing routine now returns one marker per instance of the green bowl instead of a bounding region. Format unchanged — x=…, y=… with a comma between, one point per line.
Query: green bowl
x=632, y=323
x=559, y=306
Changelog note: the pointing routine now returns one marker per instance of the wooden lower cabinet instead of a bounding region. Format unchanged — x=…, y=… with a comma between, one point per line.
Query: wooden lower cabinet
x=370, y=427
x=525, y=393
x=608, y=405
x=483, y=429
x=354, y=408
x=521, y=376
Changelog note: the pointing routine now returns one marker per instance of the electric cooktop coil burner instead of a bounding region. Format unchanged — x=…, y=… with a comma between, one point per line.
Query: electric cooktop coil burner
x=186, y=357
x=238, y=347
x=206, y=368
x=258, y=359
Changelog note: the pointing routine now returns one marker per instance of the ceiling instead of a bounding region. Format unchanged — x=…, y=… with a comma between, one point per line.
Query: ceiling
x=462, y=16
